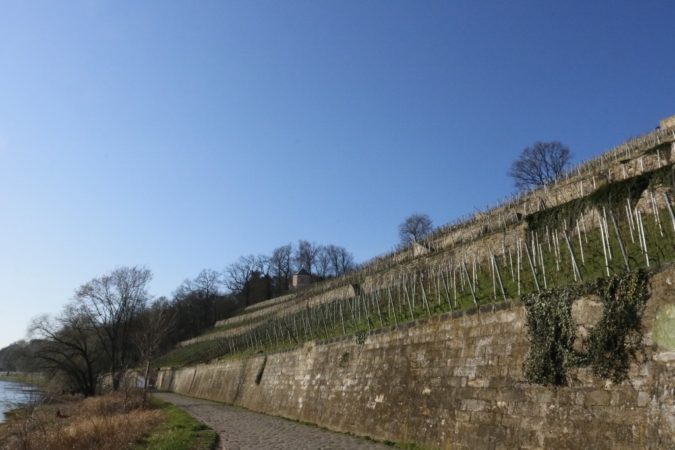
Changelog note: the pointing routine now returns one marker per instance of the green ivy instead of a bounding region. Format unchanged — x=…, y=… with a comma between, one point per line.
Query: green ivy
x=361, y=337
x=612, y=342
x=551, y=333
x=616, y=338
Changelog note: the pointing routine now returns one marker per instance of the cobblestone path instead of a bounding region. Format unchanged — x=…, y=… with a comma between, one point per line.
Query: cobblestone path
x=240, y=429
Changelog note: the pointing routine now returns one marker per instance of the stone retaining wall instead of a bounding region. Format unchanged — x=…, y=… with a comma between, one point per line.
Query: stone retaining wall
x=455, y=381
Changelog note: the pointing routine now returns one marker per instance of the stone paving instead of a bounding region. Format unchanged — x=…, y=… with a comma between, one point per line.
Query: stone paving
x=240, y=429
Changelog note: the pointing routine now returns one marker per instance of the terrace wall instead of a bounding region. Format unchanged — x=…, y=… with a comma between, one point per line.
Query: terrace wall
x=455, y=381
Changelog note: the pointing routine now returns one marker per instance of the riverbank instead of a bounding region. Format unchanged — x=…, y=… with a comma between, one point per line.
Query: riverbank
x=32, y=378
x=14, y=394
x=112, y=421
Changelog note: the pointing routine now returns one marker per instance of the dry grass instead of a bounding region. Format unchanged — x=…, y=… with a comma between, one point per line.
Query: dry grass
x=113, y=421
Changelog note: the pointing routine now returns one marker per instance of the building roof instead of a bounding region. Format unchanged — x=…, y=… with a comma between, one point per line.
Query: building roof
x=302, y=272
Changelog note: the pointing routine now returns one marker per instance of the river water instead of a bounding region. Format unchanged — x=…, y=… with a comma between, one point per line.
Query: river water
x=13, y=395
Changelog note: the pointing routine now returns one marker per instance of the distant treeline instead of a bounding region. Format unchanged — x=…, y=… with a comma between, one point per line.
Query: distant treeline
x=112, y=323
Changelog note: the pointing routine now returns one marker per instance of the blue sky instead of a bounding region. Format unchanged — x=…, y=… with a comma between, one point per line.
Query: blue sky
x=181, y=135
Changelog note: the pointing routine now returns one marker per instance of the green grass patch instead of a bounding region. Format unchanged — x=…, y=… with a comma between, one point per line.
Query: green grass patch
x=180, y=431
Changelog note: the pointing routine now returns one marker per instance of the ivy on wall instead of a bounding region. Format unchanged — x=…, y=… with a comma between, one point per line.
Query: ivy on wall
x=612, y=342
x=551, y=333
x=617, y=336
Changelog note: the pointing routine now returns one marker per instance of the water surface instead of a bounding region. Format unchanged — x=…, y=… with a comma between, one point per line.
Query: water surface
x=13, y=395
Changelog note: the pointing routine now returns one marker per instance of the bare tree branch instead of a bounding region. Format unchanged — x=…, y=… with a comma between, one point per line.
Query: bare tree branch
x=111, y=303
x=414, y=228
x=540, y=164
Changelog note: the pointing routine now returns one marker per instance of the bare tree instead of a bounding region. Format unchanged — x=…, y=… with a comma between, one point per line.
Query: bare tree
x=207, y=285
x=263, y=265
x=69, y=347
x=239, y=273
x=414, y=228
x=249, y=278
x=305, y=255
x=540, y=164
x=198, y=308
x=111, y=303
x=155, y=323
x=208, y=282
x=341, y=261
x=280, y=265
x=322, y=262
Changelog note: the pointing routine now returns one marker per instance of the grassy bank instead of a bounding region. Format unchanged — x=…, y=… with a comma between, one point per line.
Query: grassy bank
x=112, y=421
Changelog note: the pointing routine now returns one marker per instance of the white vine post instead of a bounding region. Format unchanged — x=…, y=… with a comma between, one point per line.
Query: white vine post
x=532, y=267
x=655, y=209
x=604, y=225
x=499, y=278
x=637, y=229
x=670, y=209
x=518, y=256
x=471, y=287
x=644, y=238
x=631, y=225
x=583, y=227
x=556, y=250
x=543, y=268
x=494, y=277
x=575, y=267
x=513, y=275
x=618, y=236
x=581, y=244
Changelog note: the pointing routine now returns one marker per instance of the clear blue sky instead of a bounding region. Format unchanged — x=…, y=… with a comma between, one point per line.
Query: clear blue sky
x=181, y=135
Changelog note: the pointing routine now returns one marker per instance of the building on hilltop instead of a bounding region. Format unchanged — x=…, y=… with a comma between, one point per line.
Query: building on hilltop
x=301, y=278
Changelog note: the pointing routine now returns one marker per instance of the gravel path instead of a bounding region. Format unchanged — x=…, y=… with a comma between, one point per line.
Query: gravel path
x=240, y=429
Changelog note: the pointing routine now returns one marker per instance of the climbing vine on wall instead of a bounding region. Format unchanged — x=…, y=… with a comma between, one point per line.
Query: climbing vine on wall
x=551, y=333
x=612, y=342
x=617, y=336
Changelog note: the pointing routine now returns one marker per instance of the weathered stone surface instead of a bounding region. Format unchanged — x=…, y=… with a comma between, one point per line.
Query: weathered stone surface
x=587, y=311
x=454, y=382
x=664, y=326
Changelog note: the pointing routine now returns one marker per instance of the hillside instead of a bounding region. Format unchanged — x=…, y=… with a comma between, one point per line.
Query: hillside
x=608, y=215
